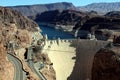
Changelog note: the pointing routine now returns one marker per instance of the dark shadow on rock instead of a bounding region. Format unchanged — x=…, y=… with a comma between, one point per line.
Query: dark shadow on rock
x=73, y=58
x=85, y=51
x=106, y=65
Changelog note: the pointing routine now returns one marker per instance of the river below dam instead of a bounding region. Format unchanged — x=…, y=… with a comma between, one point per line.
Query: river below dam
x=55, y=33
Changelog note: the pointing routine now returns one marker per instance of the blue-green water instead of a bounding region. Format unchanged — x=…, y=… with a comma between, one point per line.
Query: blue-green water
x=55, y=34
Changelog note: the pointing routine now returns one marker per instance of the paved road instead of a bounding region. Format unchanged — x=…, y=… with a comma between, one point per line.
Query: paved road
x=31, y=65
x=18, y=72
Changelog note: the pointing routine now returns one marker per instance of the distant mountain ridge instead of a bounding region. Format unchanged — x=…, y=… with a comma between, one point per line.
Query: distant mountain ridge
x=101, y=7
x=30, y=10
x=85, y=19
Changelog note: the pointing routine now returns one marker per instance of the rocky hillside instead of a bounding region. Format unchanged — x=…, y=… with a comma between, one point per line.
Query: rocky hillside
x=17, y=30
x=8, y=16
x=101, y=7
x=101, y=25
x=66, y=17
x=106, y=64
x=114, y=14
x=6, y=68
x=65, y=20
x=31, y=10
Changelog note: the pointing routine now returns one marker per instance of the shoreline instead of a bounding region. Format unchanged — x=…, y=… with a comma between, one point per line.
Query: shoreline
x=55, y=33
x=59, y=27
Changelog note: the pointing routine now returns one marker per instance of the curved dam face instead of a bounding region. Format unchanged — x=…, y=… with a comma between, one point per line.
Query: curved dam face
x=72, y=59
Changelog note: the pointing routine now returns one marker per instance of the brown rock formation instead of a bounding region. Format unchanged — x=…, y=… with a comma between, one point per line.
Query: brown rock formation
x=6, y=68
x=8, y=16
x=48, y=70
x=106, y=65
x=116, y=40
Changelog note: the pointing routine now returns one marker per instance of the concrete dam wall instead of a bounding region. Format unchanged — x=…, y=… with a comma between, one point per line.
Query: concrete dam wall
x=72, y=59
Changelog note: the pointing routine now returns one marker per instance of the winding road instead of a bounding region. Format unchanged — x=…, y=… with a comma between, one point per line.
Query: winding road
x=31, y=65
x=18, y=72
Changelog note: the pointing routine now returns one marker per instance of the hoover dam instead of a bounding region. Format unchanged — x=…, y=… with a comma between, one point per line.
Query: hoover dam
x=72, y=58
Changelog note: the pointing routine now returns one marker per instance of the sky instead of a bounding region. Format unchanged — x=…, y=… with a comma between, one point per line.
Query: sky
x=30, y=2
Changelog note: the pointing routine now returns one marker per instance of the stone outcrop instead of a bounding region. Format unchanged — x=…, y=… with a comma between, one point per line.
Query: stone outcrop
x=106, y=64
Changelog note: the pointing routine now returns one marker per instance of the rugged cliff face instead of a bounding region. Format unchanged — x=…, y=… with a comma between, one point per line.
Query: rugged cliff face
x=102, y=26
x=65, y=17
x=66, y=20
x=106, y=65
x=101, y=22
x=17, y=30
x=8, y=16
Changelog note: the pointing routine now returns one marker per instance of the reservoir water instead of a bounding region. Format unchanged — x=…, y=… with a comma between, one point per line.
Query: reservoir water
x=54, y=33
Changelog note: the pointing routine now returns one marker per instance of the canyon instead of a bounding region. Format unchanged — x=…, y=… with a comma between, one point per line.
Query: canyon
x=26, y=54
